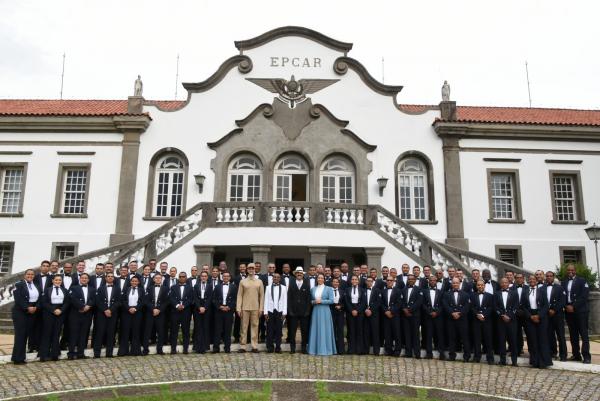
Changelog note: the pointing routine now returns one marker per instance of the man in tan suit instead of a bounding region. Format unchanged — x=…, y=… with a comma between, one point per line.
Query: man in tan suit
x=250, y=303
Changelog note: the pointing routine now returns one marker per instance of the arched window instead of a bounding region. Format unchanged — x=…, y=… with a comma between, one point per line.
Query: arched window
x=170, y=178
x=412, y=189
x=291, y=179
x=337, y=180
x=244, y=179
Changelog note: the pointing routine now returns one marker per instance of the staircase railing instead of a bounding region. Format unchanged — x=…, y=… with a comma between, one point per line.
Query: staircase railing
x=477, y=261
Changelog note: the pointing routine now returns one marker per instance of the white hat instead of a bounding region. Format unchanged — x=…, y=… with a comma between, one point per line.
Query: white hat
x=299, y=269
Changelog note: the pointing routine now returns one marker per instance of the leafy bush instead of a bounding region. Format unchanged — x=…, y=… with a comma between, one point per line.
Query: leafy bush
x=582, y=270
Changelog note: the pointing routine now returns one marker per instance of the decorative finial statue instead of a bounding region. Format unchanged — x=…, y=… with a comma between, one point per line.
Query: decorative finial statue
x=445, y=92
x=138, y=87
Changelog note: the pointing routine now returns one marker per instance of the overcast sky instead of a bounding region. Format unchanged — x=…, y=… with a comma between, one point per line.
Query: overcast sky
x=480, y=47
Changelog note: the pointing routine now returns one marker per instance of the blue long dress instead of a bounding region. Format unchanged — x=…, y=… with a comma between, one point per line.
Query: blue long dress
x=321, y=339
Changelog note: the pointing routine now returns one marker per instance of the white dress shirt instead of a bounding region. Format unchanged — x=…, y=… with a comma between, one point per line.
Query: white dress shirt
x=299, y=283
x=533, y=299
x=549, y=292
x=225, y=292
x=408, y=293
x=389, y=295
x=133, y=297
x=85, y=294
x=57, y=297
x=202, y=289
x=569, y=285
x=275, y=299
x=432, y=296
x=504, y=298
x=336, y=295
x=156, y=292
x=456, y=297
x=368, y=296
x=489, y=288
x=109, y=289
x=34, y=294
x=67, y=281
x=354, y=295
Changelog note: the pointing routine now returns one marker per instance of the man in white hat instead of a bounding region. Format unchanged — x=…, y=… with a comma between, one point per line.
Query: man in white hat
x=250, y=303
x=298, y=308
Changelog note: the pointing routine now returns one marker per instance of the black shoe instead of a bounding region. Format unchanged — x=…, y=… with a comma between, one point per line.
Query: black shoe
x=173, y=352
x=254, y=351
x=228, y=351
x=502, y=363
x=278, y=351
x=292, y=351
x=429, y=356
x=71, y=357
x=144, y=353
x=241, y=350
x=490, y=362
x=215, y=351
x=109, y=356
x=44, y=359
x=587, y=361
x=576, y=358
x=19, y=362
x=514, y=364
x=269, y=351
x=160, y=352
x=185, y=352
x=562, y=359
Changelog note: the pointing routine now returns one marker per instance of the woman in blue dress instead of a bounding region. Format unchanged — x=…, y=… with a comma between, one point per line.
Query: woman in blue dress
x=321, y=340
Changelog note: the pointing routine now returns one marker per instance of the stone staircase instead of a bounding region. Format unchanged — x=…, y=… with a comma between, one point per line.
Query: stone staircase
x=163, y=241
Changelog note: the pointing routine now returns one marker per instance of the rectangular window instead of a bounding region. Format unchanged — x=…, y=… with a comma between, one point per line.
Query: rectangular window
x=574, y=254
x=169, y=197
x=6, y=257
x=564, y=198
x=11, y=189
x=509, y=254
x=64, y=250
x=419, y=197
x=253, y=191
x=282, y=193
x=345, y=189
x=74, y=191
x=405, y=204
x=504, y=196
x=328, y=188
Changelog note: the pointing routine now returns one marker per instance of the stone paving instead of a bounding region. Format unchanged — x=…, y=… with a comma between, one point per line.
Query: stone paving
x=515, y=382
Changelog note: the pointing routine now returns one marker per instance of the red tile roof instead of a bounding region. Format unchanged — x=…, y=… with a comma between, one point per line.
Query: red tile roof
x=465, y=114
x=525, y=115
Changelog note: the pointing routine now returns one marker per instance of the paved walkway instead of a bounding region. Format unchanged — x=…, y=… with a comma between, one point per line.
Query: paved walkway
x=519, y=382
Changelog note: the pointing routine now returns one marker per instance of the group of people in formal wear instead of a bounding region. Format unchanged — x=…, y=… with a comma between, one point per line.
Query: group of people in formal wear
x=410, y=313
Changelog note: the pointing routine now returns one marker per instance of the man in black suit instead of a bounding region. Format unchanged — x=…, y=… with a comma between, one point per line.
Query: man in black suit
x=108, y=301
x=224, y=300
x=522, y=290
x=156, y=302
x=433, y=318
x=456, y=308
x=146, y=280
x=337, y=315
x=577, y=313
x=371, y=320
x=27, y=303
x=390, y=305
x=97, y=279
x=482, y=309
x=42, y=281
x=411, y=302
x=202, y=301
x=536, y=313
x=557, y=299
x=506, y=304
x=299, y=304
x=356, y=304
x=180, y=301
x=82, y=299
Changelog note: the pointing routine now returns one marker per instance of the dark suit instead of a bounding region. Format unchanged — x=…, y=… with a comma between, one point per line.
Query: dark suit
x=52, y=324
x=434, y=326
x=106, y=326
x=411, y=321
x=339, y=320
x=391, y=325
x=578, y=320
x=482, y=330
x=299, y=304
x=96, y=281
x=180, y=317
x=155, y=323
x=201, y=336
x=23, y=321
x=80, y=321
x=223, y=319
x=556, y=323
x=507, y=330
x=131, y=323
x=537, y=333
x=457, y=328
x=521, y=321
x=355, y=323
x=41, y=285
x=371, y=323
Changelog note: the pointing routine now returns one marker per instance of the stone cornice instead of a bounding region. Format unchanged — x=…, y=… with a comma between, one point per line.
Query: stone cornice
x=517, y=131
x=243, y=63
x=292, y=31
x=53, y=124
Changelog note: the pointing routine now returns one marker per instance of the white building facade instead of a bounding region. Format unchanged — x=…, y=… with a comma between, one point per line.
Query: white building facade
x=293, y=152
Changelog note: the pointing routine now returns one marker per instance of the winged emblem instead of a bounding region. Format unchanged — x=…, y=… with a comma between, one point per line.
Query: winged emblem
x=292, y=92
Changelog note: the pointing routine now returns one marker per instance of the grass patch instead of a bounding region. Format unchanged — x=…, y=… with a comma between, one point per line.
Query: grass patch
x=324, y=395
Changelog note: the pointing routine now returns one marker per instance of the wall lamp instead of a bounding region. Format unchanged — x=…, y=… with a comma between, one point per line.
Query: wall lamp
x=382, y=182
x=200, y=182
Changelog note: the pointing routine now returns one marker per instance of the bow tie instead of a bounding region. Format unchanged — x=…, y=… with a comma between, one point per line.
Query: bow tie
x=519, y=286
x=276, y=285
x=157, y=286
x=224, y=285
x=455, y=290
x=109, y=285
x=84, y=286
x=410, y=286
x=504, y=290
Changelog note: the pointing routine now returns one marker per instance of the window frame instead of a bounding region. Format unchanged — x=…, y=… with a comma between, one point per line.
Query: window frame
x=171, y=172
x=8, y=166
x=517, y=206
x=578, y=191
x=60, y=183
x=11, y=244
x=56, y=245
x=517, y=248
x=246, y=174
x=337, y=175
x=281, y=172
x=562, y=249
x=152, y=177
x=429, y=187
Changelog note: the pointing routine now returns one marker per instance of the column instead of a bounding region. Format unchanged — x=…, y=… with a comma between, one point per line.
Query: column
x=454, y=210
x=318, y=255
x=204, y=255
x=374, y=257
x=260, y=253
